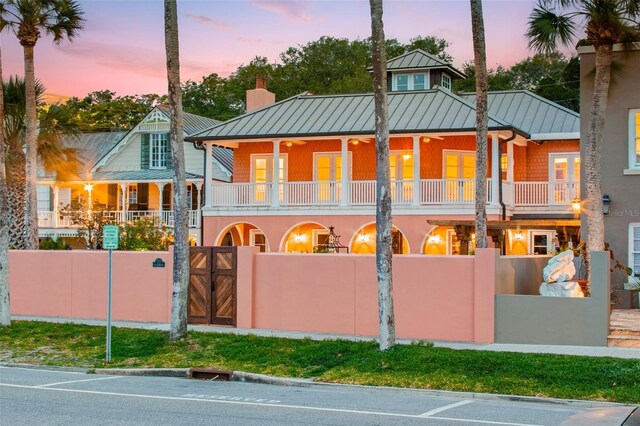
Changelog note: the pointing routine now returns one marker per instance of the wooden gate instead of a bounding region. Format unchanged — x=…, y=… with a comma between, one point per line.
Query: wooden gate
x=212, y=285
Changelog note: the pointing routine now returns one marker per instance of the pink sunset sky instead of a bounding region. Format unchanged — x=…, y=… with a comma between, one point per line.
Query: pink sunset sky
x=122, y=45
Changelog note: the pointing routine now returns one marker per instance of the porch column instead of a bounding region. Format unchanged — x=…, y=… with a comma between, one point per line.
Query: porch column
x=199, y=194
x=124, y=189
x=344, y=181
x=495, y=167
x=54, y=219
x=160, y=186
x=208, y=175
x=416, y=170
x=275, y=182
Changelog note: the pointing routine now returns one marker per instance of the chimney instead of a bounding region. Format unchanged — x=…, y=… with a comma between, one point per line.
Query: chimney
x=259, y=97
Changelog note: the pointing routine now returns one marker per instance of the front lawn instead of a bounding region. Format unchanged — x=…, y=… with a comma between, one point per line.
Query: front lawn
x=340, y=361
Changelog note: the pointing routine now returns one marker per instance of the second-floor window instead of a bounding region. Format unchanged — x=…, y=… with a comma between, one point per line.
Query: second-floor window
x=414, y=81
x=634, y=139
x=446, y=82
x=158, y=150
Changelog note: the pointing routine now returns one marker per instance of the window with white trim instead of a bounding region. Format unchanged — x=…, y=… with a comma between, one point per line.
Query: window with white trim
x=634, y=139
x=634, y=248
x=44, y=198
x=158, y=150
x=133, y=193
x=446, y=82
x=413, y=81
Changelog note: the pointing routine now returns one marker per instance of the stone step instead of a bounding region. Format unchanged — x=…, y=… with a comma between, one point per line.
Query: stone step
x=625, y=332
x=623, y=341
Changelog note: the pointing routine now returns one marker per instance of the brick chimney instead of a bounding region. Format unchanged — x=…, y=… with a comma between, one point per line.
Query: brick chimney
x=259, y=97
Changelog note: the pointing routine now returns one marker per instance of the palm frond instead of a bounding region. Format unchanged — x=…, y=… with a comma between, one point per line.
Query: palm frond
x=546, y=30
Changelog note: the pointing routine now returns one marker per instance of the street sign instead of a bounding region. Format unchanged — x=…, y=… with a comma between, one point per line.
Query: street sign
x=110, y=237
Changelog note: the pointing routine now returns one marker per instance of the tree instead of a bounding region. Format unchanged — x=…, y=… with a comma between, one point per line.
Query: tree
x=482, y=122
x=384, y=255
x=28, y=18
x=607, y=23
x=5, y=314
x=180, y=206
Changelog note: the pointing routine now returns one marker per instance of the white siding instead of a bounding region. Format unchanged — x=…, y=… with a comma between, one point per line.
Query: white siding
x=193, y=159
x=128, y=158
x=218, y=173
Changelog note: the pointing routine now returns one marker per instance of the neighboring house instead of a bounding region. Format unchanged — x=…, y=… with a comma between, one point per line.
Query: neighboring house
x=621, y=150
x=130, y=173
x=307, y=163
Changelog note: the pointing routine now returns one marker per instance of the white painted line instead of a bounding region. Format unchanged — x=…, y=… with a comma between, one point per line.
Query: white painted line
x=445, y=408
x=42, y=369
x=77, y=381
x=258, y=404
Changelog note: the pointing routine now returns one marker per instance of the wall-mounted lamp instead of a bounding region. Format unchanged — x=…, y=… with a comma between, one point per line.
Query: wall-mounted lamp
x=406, y=157
x=298, y=238
x=519, y=236
x=575, y=205
x=363, y=238
x=606, y=202
x=433, y=239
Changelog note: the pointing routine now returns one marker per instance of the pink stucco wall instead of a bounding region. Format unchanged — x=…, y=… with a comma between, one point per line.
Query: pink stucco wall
x=73, y=284
x=436, y=297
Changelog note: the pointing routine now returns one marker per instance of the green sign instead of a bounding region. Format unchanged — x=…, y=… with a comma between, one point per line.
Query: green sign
x=110, y=237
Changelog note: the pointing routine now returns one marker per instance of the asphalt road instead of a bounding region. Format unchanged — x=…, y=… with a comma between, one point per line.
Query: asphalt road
x=53, y=397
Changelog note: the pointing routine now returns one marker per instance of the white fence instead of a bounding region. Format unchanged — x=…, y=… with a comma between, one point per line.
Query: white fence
x=47, y=219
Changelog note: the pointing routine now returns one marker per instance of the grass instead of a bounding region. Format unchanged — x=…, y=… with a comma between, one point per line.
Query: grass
x=418, y=365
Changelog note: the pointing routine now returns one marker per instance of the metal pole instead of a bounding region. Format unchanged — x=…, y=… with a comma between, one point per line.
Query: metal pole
x=109, y=308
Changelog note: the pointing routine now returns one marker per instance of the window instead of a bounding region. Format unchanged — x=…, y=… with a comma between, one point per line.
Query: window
x=634, y=248
x=133, y=194
x=446, y=82
x=158, y=150
x=542, y=242
x=414, y=81
x=634, y=139
x=564, y=173
x=504, y=165
x=257, y=239
x=44, y=198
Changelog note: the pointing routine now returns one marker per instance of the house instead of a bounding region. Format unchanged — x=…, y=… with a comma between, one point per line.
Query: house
x=620, y=163
x=305, y=167
x=130, y=173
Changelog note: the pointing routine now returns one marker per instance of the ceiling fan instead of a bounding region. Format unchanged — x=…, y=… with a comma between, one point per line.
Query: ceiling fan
x=429, y=138
x=290, y=143
x=356, y=141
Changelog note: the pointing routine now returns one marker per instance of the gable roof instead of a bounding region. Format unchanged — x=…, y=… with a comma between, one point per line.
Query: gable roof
x=435, y=110
x=224, y=156
x=192, y=123
x=419, y=59
x=541, y=118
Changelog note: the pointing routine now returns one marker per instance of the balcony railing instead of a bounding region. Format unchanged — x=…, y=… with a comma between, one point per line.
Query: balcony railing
x=544, y=194
x=48, y=219
x=358, y=193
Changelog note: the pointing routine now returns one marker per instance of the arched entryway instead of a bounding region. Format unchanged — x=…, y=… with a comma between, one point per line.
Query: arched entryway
x=243, y=234
x=364, y=240
x=304, y=237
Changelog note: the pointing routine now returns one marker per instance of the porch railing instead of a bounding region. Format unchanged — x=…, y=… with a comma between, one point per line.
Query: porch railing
x=545, y=193
x=48, y=219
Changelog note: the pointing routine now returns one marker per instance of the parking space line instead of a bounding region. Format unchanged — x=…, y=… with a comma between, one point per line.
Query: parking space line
x=76, y=381
x=445, y=408
x=42, y=369
x=277, y=406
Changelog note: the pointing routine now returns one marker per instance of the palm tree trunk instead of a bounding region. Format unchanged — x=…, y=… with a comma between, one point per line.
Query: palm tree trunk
x=593, y=152
x=5, y=314
x=180, y=206
x=16, y=199
x=482, y=120
x=383, y=194
x=31, y=135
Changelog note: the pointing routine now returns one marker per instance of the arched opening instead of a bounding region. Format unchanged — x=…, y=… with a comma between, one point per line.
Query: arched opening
x=243, y=234
x=364, y=241
x=305, y=237
x=443, y=240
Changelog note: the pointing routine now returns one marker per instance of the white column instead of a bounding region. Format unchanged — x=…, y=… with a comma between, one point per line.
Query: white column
x=160, y=188
x=344, y=184
x=208, y=175
x=56, y=202
x=199, y=194
x=510, y=161
x=495, y=167
x=416, y=170
x=124, y=189
x=275, y=182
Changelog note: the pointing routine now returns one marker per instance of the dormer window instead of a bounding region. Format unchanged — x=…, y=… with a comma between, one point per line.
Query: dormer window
x=413, y=81
x=158, y=150
x=446, y=82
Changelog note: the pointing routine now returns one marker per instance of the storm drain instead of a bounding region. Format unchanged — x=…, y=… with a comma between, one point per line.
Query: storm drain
x=210, y=374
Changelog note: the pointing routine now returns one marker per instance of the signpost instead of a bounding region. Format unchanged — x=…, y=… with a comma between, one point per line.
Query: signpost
x=109, y=242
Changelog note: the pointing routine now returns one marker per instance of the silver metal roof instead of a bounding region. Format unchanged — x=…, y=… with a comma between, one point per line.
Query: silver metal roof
x=138, y=175
x=224, y=156
x=541, y=118
x=419, y=59
x=192, y=123
x=435, y=110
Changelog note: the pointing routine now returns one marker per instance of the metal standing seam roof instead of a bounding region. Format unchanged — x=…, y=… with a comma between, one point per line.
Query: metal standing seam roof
x=138, y=175
x=537, y=116
x=435, y=110
x=192, y=123
x=224, y=156
x=419, y=59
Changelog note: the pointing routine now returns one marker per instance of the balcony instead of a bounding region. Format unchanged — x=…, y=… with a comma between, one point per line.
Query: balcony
x=49, y=219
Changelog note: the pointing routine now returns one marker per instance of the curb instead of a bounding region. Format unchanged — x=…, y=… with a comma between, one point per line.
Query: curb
x=152, y=372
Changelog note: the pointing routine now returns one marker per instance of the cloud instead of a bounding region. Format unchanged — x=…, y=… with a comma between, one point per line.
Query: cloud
x=219, y=25
x=128, y=59
x=296, y=11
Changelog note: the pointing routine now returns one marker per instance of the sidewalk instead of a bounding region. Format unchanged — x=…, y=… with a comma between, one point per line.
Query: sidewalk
x=616, y=352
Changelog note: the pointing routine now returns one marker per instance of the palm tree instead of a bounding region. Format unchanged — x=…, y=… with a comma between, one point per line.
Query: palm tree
x=384, y=255
x=55, y=158
x=606, y=23
x=28, y=19
x=178, y=327
x=482, y=122
x=5, y=314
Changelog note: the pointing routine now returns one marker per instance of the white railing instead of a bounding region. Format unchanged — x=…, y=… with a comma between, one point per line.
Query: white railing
x=451, y=191
x=164, y=217
x=311, y=193
x=545, y=193
x=362, y=192
x=240, y=194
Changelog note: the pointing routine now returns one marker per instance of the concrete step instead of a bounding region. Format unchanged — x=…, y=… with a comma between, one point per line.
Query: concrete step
x=624, y=332
x=623, y=341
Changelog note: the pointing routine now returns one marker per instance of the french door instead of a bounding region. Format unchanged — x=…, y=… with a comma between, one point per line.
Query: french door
x=459, y=172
